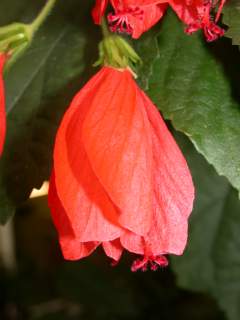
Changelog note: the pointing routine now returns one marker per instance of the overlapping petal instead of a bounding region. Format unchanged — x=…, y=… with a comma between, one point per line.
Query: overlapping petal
x=72, y=248
x=173, y=189
x=117, y=139
x=113, y=249
x=93, y=217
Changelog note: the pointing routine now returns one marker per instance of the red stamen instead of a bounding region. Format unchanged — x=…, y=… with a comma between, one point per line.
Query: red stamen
x=222, y=2
x=121, y=20
x=212, y=32
x=210, y=29
x=154, y=261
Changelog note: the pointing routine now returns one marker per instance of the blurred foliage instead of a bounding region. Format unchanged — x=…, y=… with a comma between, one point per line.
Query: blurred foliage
x=39, y=88
x=211, y=260
x=47, y=288
x=196, y=87
x=231, y=17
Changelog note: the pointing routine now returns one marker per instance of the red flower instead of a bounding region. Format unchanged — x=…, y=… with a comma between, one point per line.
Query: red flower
x=99, y=10
x=196, y=14
x=136, y=17
x=119, y=179
x=2, y=104
x=132, y=17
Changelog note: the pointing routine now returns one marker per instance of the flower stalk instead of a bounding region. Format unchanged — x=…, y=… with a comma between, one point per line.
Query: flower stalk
x=35, y=25
x=104, y=27
x=115, y=51
x=16, y=37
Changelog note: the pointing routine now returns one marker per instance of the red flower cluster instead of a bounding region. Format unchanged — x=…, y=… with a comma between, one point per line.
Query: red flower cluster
x=2, y=103
x=119, y=179
x=137, y=16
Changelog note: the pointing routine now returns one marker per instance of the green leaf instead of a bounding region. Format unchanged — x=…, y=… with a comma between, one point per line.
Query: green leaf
x=197, y=90
x=192, y=89
x=226, y=258
x=231, y=17
x=196, y=268
x=39, y=88
x=211, y=260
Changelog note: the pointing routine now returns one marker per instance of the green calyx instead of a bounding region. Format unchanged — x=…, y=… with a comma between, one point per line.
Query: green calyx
x=14, y=39
x=116, y=52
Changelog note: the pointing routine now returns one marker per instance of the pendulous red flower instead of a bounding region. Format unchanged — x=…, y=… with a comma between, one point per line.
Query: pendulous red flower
x=136, y=17
x=119, y=179
x=2, y=104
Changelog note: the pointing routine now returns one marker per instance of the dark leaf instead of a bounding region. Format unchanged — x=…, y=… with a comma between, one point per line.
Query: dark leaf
x=39, y=88
x=197, y=90
x=191, y=87
x=211, y=261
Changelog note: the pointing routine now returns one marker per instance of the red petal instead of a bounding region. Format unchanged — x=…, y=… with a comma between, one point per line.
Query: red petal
x=92, y=215
x=99, y=10
x=174, y=191
x=151, y=15
x=59, y=216
x=116, y=135
x=137, y=16
x=188, y=12
x=134, y=3
x=2, y=104
x=72, y=248
x=113, y=249
x=219, y=11
x=133, y=242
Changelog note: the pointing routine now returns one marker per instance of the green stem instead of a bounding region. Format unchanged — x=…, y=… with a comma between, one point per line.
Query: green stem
x=12, y=39
x=9, y=28
x=104, y=26
x=34, y=26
